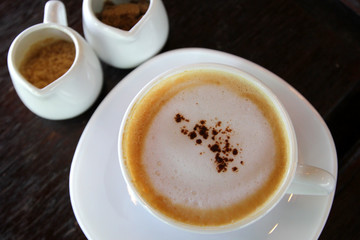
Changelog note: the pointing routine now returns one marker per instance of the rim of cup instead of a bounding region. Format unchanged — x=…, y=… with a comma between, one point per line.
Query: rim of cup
x=276, y=197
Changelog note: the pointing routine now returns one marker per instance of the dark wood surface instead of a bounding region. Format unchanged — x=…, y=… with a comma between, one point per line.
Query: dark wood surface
x=313, y=45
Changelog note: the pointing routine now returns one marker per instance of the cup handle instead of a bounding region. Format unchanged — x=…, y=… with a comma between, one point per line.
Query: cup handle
x=311, y=180
x=55, y=12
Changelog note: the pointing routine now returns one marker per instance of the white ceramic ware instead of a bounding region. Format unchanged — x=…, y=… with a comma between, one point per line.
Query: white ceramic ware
x=99, y=194
x=309, y=180
x=126, y=49
x=72, y=93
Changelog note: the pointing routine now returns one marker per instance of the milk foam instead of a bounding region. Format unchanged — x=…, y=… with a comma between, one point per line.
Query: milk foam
x=185, y=172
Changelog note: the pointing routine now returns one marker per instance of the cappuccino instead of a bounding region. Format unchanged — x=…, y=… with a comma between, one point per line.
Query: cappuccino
x=205, y=148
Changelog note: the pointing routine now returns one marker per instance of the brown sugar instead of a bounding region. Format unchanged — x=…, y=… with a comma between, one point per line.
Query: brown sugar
x=123, y=16
x=47, y=60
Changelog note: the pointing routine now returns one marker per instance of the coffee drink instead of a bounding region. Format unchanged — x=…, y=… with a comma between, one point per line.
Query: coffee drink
x=205, y=147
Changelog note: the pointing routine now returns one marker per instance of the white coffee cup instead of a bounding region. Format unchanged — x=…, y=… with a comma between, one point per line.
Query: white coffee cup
x=72, y=93
x=298, y=179
x=126, y=49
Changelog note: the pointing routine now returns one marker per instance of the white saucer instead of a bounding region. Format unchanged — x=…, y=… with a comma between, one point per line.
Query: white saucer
x=98, y=192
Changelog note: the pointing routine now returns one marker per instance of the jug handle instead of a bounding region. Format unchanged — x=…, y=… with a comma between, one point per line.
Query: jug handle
x=55, y=12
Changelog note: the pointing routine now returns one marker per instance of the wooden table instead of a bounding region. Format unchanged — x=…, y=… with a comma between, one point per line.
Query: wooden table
x=313, y=45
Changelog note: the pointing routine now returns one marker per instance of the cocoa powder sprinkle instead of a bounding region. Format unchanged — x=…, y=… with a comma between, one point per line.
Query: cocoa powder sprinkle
x=178, y=118
x=192, y=135
x=219, y=142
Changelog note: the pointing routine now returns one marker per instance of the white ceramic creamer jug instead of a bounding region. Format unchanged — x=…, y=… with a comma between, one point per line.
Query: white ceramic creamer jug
x=72, y=93
x=126, y=49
